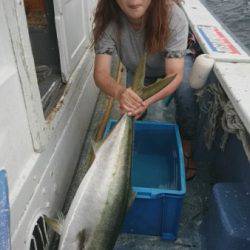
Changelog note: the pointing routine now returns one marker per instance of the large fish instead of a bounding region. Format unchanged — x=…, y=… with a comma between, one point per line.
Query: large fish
x=100, y=204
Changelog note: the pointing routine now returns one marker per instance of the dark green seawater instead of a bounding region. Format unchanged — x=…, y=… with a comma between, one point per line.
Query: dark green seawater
x=235, y=15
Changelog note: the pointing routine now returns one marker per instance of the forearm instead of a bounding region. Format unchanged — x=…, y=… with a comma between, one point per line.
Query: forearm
x=108, y=84
x=168, y=90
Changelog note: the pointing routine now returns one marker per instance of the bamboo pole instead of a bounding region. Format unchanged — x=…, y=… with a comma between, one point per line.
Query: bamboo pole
x=108, y=108
x=102, y=124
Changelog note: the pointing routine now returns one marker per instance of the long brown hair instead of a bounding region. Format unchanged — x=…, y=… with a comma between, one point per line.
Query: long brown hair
x=156, y=27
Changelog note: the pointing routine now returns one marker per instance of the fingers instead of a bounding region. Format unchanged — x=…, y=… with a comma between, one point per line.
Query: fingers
x=130, y=101
x=130, y=104
x=136, y=113
x=138, y=116
x=135, y=97
x=139, y=111
x=125, y=109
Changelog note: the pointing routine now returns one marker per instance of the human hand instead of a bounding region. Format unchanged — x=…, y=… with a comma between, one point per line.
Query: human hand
x=139, y=112
x=129, y=102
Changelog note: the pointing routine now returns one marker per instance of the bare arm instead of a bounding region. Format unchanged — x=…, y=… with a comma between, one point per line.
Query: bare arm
x=103, y=78
x=128, y=99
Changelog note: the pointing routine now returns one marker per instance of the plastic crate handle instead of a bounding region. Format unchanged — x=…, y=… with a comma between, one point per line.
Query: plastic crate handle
x=144, y=195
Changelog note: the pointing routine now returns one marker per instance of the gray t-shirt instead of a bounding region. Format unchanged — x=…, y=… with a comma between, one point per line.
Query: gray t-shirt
x=131, y=46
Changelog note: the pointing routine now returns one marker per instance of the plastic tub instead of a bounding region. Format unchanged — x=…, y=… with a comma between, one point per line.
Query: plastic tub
x=158, y=179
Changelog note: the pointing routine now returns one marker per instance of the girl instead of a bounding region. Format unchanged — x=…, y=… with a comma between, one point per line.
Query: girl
x=130, y=28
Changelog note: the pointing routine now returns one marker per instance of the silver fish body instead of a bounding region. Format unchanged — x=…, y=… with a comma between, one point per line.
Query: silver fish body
x=99, y=206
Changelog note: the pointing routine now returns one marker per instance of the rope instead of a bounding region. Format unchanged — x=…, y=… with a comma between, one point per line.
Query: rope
x=220, y=112
x=232, y=124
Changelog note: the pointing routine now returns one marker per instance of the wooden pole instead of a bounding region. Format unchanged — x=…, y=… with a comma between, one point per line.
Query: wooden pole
x=109, y=106
x=102, y=124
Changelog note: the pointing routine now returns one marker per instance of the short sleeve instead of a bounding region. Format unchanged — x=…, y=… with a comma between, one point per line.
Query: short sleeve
x=106, y=44
x=177, y=43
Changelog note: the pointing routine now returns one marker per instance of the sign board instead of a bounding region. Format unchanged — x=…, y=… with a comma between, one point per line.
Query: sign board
x=216, y=40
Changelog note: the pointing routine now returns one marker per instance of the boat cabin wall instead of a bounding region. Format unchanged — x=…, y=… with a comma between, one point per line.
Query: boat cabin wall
x=38, y=153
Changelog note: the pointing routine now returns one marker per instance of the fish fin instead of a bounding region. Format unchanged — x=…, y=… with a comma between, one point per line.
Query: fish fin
x=138, y=80
x=96, y=145
x=55, y=224
x=131, y=199
x=147, y=91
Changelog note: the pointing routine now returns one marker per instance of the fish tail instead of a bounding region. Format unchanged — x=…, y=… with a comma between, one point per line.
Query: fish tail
x=55, y=224
x=138, y=82
x=157, y=86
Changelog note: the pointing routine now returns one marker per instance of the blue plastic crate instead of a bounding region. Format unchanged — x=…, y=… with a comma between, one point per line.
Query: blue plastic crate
x=158, y=179
x=227, y=224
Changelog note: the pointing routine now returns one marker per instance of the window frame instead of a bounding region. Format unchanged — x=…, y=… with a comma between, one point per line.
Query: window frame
x=42, y=129
x=17, y=24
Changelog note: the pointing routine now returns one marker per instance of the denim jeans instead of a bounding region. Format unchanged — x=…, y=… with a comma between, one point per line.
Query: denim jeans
x=186, y=110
